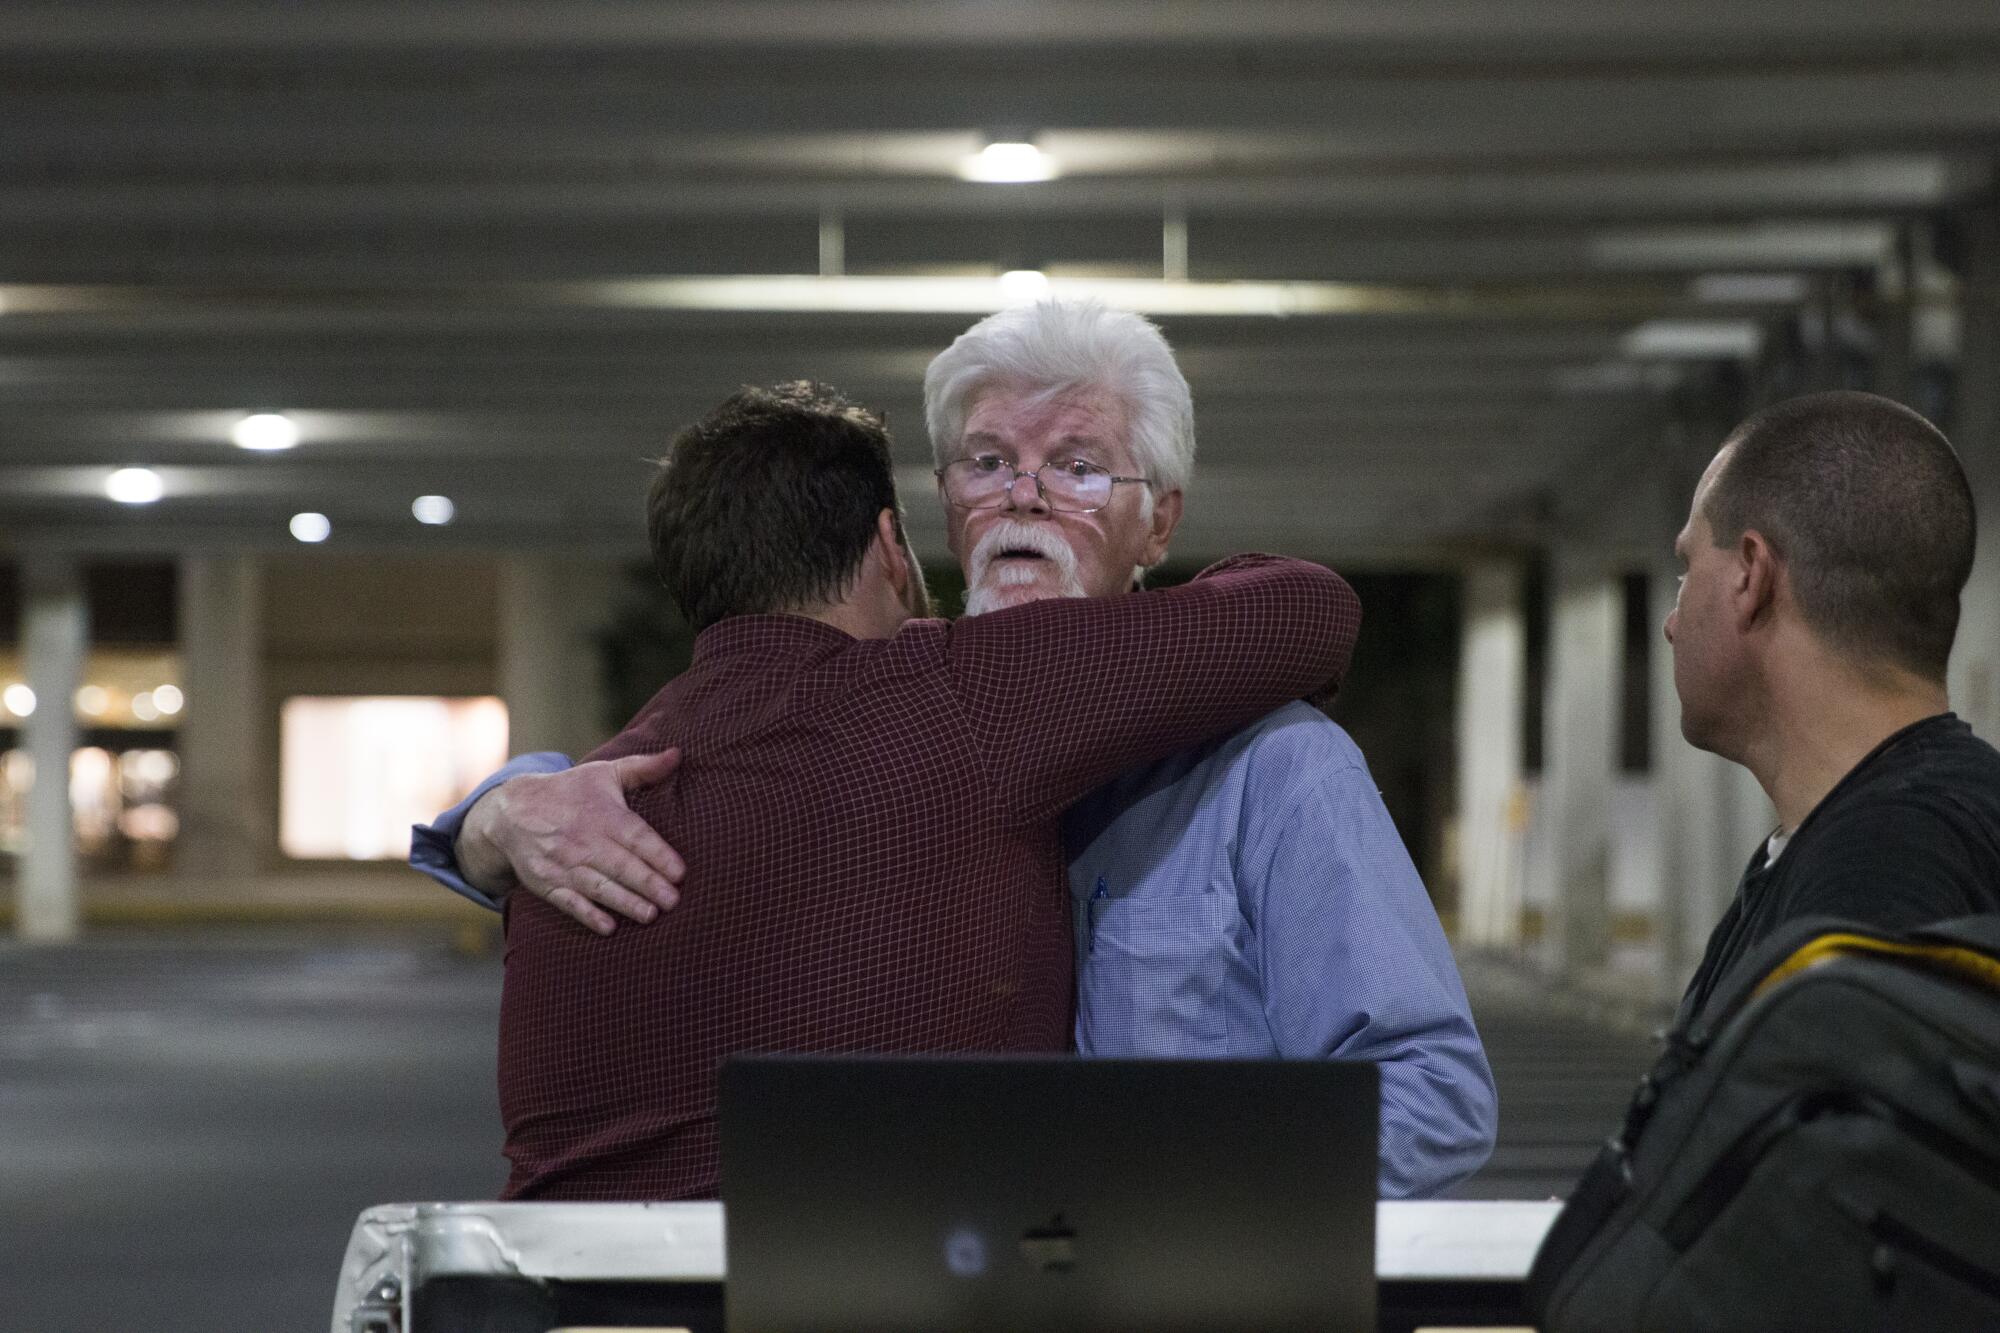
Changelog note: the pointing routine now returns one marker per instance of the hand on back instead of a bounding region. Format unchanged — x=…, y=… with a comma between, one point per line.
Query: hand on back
x=571, y=839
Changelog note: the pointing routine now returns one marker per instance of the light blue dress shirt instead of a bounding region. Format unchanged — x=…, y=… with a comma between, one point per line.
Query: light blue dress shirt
x=434, y=846
x=1251, y=898
x=1247, y=899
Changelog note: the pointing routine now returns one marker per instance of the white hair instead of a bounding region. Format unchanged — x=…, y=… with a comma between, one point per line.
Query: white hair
x=1055, y=347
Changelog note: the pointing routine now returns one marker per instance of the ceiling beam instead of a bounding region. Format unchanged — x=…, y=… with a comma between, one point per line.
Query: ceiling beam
x=1467, y=30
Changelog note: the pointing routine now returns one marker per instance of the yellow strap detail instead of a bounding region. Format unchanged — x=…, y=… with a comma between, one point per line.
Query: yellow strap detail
x=1967, y=963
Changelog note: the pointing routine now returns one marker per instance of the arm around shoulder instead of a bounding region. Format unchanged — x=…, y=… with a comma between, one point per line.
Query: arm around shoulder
x=1063, y=694
x=566, y=834
x=434, y=847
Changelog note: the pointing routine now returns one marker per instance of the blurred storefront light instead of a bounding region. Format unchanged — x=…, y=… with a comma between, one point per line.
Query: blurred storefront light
x=356, y=772
x=121, y=804
x=18, y=699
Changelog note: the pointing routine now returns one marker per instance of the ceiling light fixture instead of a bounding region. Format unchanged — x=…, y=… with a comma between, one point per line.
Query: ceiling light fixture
x=1751, y=288
x=1011, y=162
x=436, y=510
x=265, y=432
x=311, y=528
x=18, y=700
x=972, y=295
x=134, y=486
x=1021, y=286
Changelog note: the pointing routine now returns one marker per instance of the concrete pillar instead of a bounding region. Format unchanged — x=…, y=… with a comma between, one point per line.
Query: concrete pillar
x=532, y=661
x=55, y=633
x=228, y=818
x=1975, y=661
x=1491, y=675
x=551, y=612
x=1896, y=288
x=1580, y=756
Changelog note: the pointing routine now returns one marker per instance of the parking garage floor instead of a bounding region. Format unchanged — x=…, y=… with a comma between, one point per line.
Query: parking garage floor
x=189, y=1123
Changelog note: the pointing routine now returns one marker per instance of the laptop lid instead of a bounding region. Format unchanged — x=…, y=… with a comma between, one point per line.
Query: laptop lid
x=1055, y=1194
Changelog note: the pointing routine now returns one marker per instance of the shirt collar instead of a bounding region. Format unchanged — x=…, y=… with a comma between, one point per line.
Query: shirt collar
x=767, y=636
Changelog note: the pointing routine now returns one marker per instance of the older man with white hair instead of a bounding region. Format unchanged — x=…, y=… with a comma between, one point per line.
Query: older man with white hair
x=1249, y=898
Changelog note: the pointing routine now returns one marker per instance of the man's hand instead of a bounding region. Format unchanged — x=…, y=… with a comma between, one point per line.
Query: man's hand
x=571, y=839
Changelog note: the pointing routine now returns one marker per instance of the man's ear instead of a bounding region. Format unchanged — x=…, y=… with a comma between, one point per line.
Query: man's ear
x=889, y=550
x=1166, y=517
x=1758, y=575
x=897, y=561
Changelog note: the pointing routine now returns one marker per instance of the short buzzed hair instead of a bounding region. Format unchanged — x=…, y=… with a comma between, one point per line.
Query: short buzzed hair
x=1869, y=507
x=769, y=502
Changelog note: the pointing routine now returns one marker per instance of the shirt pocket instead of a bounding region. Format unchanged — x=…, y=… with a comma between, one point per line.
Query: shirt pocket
x=1152, y=978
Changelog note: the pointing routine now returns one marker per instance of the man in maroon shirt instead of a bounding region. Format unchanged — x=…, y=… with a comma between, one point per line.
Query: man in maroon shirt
x=873, y=798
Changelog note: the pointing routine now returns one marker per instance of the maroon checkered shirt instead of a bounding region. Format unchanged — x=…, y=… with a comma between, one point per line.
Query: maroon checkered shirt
x=872, y=828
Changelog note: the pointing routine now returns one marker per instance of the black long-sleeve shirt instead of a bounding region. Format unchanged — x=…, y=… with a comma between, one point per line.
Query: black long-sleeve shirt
x=1910, y=836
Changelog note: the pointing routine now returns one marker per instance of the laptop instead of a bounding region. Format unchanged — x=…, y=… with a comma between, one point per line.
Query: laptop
x=1052, y=1194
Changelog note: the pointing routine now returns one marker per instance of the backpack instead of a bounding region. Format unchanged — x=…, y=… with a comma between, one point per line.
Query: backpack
x=1820, y=1149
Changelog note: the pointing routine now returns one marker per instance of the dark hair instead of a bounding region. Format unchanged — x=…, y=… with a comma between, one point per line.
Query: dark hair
x=769, y=502
x=1870, y=510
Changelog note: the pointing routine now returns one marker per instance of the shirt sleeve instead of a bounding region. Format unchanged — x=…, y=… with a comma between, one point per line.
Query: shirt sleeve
x=1060, y=695
x=434, y=846
x=1356, y=967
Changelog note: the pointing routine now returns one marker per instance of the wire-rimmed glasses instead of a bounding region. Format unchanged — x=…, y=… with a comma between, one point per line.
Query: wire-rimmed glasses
x=1071, y=486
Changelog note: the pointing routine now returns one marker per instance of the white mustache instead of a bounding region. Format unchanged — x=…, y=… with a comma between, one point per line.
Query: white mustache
x=1012, y=534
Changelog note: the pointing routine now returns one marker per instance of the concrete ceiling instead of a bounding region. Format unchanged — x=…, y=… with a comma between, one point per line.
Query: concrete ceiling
x=441, y=236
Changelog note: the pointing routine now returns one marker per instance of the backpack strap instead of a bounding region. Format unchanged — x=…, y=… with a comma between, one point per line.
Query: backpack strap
x=1968, y=964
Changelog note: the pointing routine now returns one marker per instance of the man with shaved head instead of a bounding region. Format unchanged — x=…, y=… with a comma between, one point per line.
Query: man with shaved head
x=1824, y=555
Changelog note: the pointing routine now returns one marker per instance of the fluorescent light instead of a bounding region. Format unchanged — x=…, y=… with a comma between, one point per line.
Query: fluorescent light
x=1694, y=340
x=1020, y=286
x=19, y=699
x=134, y=486
x=1008, y=164
x=310, y=527
x=1756, y=245
x=1617, y=377
x=863, y=294
x=265, y=431
x=168, y=699
x=1752, y=288
x=435, y=510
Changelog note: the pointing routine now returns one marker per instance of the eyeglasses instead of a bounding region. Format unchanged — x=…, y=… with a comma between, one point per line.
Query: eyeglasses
x=1069, y=487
